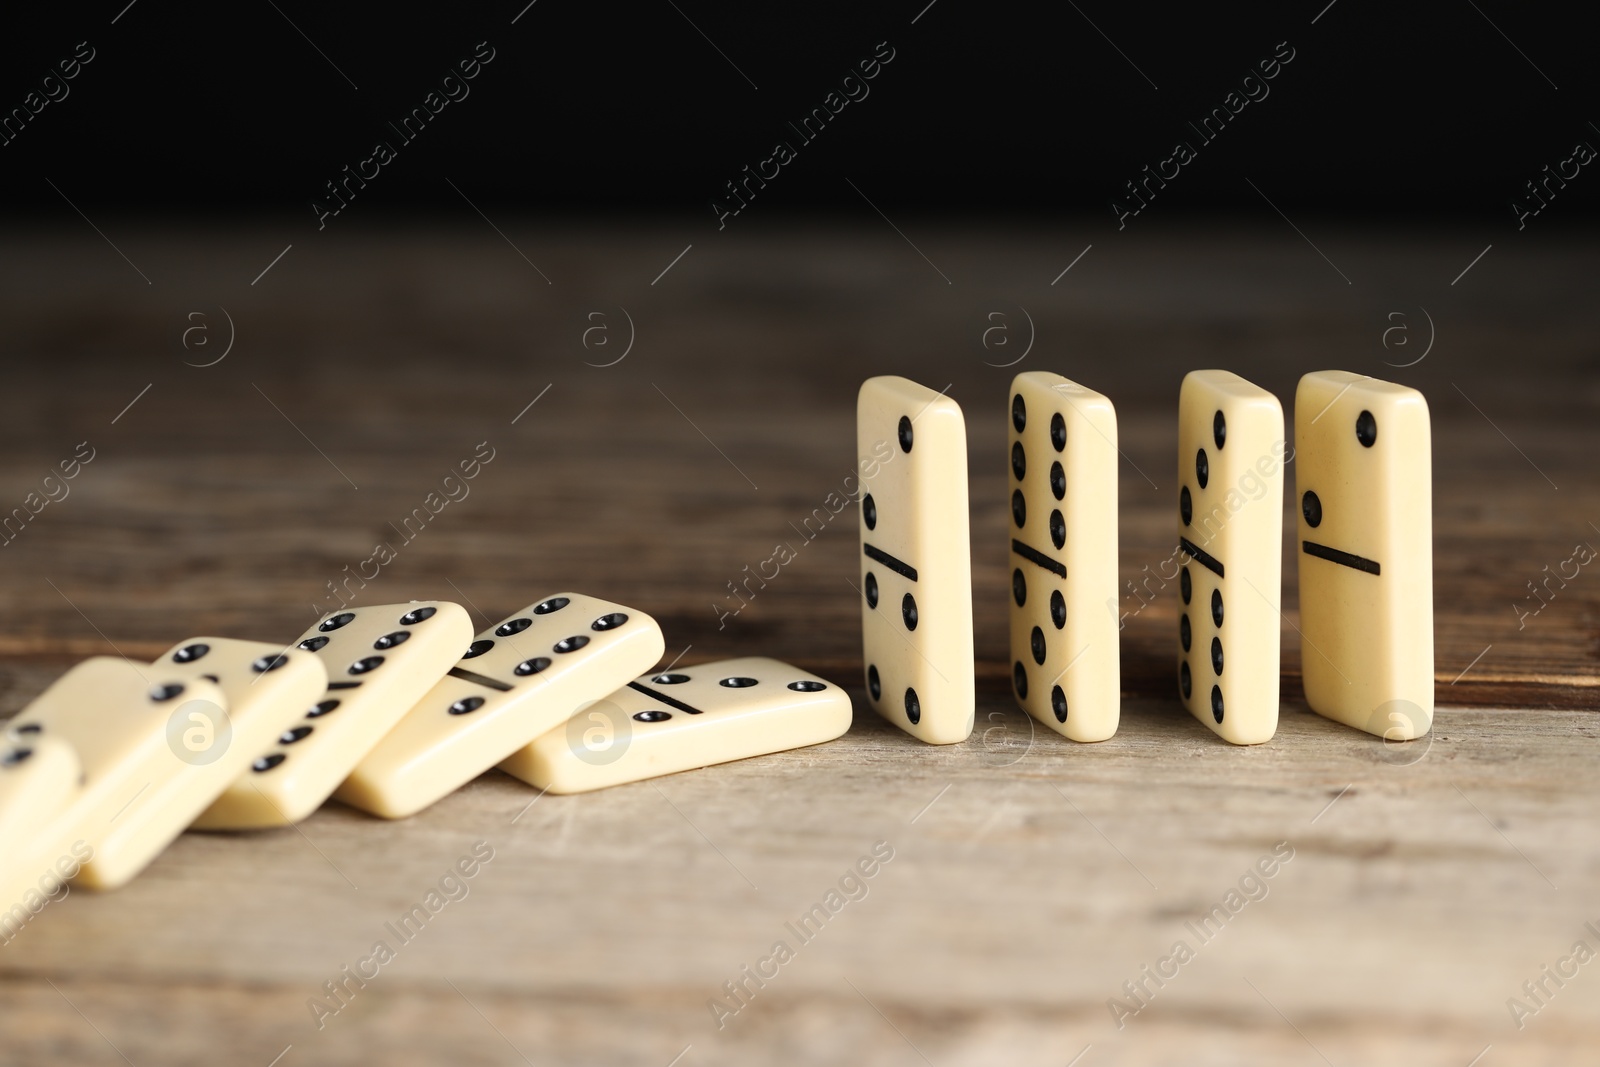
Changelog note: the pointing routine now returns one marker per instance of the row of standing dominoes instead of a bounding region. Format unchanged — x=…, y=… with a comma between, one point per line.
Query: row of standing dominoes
x=1364, y=473
x=379, y=707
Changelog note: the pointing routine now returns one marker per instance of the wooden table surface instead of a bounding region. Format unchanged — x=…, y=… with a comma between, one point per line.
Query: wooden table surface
x=1030, y=877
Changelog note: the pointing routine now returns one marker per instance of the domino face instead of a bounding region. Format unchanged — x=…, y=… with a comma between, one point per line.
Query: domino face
x=380, y=661
x=266, y=688
x=38, y=780
x=119, y=718
x=1063, y=479
x=520, y=678
x=1230, y=525
x=684, y=719
x=1364, y=475
x=916, y=566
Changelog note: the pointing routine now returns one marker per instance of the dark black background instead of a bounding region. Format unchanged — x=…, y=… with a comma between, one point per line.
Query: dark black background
x=192, y=113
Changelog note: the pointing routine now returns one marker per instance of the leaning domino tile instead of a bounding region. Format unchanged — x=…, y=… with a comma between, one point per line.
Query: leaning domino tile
x=521, y=678
x=121, y=719
x=684, y=719
x=380, y=661
x=1364, y=474
x=1064, y=627
x=39, y=776
x=1230, y=509
x=916, y=567
x=266, y=688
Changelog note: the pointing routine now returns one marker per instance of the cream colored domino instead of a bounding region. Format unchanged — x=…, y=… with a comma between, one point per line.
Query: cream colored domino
x=266, y=687
x=685, y=719
x=122, y=720
x=1064, y=627
x=39, y=776
x=1364, y=474
x=1230, y=510
x=380, y=661
x=916, y=565
x=519, y=679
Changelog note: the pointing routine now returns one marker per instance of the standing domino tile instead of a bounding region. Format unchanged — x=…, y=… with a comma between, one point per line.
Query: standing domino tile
x=1064, y=628
x=1230, y=507
x=521, y=678
x=916, y=566
x=381, y=661
x=122, y=720
x=682, y=720
x=266, y=688
x=1364, y=457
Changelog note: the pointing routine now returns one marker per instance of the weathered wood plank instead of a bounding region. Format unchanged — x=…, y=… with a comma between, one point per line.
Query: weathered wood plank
x=1036, y=877
x=1042, y=876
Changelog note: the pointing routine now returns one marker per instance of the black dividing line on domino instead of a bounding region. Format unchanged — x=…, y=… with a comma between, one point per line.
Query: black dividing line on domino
x=889, y=561
x=1333, y=555
x=344, y=685
x=663, y=698
x=479, y=679
x=1201, y=556
x=1033, y=555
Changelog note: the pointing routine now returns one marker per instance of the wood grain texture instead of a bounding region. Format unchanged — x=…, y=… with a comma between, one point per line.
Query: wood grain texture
x=1041, y=879
x=1037, y=877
